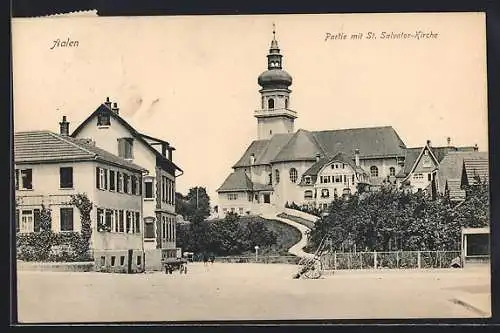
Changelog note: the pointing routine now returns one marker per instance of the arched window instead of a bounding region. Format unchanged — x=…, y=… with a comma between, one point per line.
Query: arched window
x=293, y=175
x=270, y=103
x=392, y=171
x=308, y=194
x=286, y=103
x=277, y=176
x=373, y=171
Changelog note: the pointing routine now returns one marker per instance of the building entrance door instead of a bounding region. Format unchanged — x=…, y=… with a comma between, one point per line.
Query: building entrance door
x=267, y=198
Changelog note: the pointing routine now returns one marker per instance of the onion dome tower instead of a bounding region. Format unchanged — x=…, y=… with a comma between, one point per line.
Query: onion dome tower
x=275, y=115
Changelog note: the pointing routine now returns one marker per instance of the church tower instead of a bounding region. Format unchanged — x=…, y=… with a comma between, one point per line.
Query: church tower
x=274, y=115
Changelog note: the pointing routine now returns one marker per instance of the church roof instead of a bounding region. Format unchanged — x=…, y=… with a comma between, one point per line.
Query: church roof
x=304, y=145
x=236, y=181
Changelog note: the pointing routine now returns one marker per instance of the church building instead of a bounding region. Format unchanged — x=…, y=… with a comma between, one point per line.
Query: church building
x=312, y=167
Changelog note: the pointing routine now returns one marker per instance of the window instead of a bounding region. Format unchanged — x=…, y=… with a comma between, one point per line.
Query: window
x=126, y=183
x=149, y=228
x=418, y=176
x=139, y=260
x=66, y=219
x=100, y=216
x=308, y=194
x=232, y=196
x=293, y=175
x=113, y=260
x=101, y=178
x=26, y=179
x=270, y=103
x=27, y=221
x=277, y=176
x=392, y=171
x=429, y=177
x=338, y=179
x=148, y=191
x=286, y=103
x=373, y=171
x=137, y=222
x=121, y=224
x=240, y=211
x=119, y=181
x=164, y=228
x=66, y=177
x=122, y=260
x=345, y=179
x=325, y=193
x=133, y=180
x=138, y=185
x=17, y=179
x=112, y=180
x=115, y=221
x=108, y=220
x=128, y=222
x=103, y=261
x=308, y=180
x=103, y=119
x=353, y=179
x=125, y=148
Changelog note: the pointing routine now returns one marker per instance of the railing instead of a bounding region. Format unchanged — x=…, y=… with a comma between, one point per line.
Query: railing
x=260, y=259
x=391, y=260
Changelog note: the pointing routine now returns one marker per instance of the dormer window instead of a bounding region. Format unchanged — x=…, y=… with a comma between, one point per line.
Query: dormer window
x=125, y=146
x=103, y=119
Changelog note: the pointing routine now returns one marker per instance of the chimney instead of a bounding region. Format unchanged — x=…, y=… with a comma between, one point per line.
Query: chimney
x=448, y=140
x=252, y=159
x=318, y=156
x=115, y=108
x=64, y=127
x=476, y=148
x=429, y=143
x=107, y=103
x=170, y=153
x=356, y=157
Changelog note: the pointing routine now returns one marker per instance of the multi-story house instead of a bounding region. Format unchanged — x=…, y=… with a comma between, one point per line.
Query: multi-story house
x=51, y=167
x=111, y=132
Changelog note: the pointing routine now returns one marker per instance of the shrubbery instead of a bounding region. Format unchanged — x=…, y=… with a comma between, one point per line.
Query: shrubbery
x=391, y=220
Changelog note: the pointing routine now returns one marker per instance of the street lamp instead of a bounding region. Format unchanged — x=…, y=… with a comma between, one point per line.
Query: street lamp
x=256, y=253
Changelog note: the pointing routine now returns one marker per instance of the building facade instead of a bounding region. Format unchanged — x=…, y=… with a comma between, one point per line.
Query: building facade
x=49, y=168
x=311, y=167
x=111, y=132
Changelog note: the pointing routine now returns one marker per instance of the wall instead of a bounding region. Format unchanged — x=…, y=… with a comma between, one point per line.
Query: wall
x=274, y=124
x=285, y=190
x=241, y=202
x=137, y=266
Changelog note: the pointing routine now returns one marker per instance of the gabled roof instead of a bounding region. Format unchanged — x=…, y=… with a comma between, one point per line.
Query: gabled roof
x=371, y=141
x=455, y=191
x=452, y=165
x=49, y=147
x=264, y=150
x=236, y=181
x=476, y=167
x=301, y=147
x=104, y=109
x=419, y=156
x=341, y=157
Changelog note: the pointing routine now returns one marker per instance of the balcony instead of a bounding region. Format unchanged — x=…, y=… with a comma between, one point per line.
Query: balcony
x=275, y=113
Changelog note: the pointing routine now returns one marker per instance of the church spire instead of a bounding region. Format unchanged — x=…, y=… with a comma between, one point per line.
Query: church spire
x=274, y=58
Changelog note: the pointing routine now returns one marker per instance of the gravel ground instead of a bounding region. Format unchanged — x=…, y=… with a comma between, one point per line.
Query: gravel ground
x=249, y=292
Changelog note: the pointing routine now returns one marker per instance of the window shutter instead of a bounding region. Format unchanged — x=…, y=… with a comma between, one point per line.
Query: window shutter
x=36, y=218
x=105, y=179
x=121, y=148
x=97, y=179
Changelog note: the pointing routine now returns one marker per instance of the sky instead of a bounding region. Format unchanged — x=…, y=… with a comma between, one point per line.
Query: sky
x=192, y=80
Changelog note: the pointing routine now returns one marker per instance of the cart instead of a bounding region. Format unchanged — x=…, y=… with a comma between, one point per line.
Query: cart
x=174, y=264
x=311, y=267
